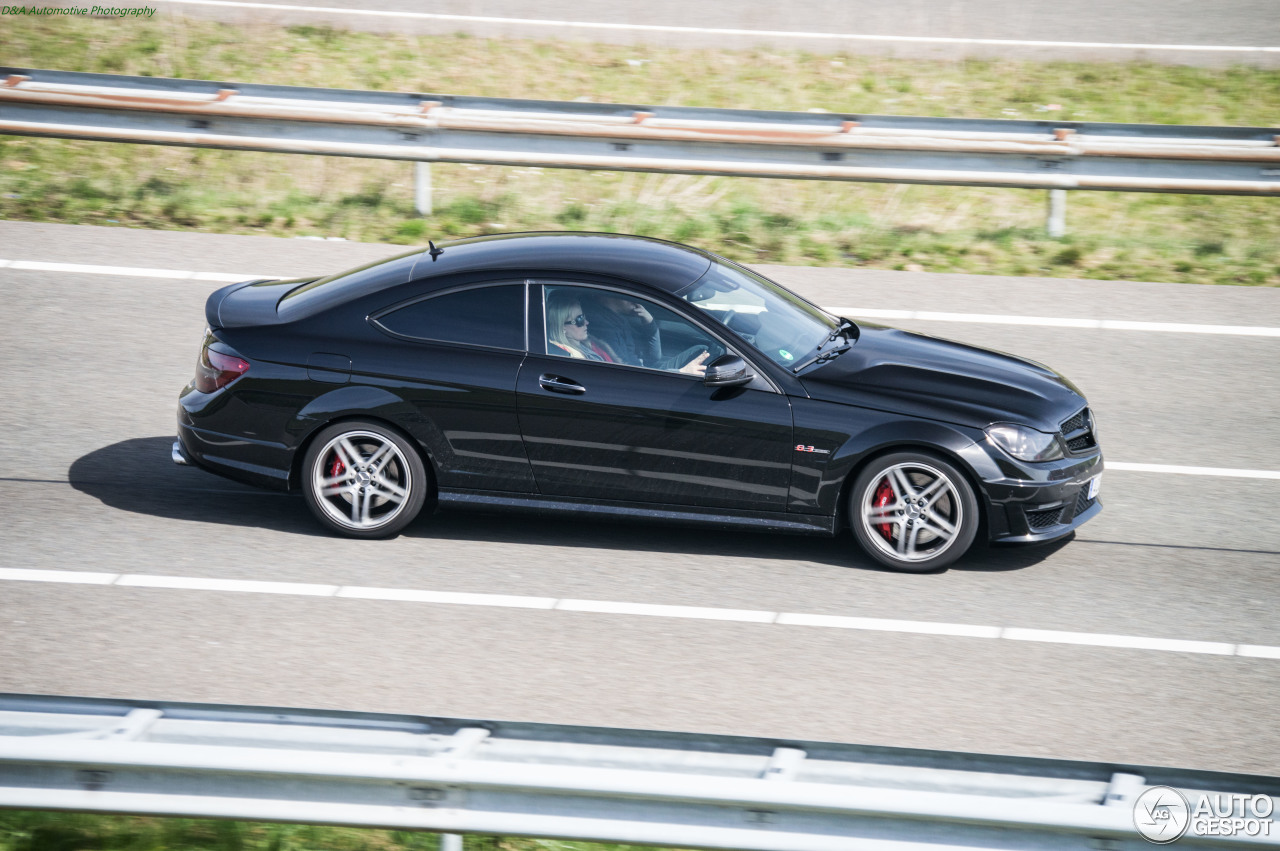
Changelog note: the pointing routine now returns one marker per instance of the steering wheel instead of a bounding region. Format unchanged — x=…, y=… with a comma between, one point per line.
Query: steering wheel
x=728, y=319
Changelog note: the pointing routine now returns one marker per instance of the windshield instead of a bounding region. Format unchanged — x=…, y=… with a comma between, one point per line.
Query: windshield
x=784, y=326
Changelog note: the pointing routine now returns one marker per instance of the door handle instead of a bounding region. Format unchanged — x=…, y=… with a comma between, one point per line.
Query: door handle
x=556, y=384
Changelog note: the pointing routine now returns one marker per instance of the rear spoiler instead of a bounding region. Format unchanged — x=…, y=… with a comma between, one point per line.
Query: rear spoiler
x=248, y=302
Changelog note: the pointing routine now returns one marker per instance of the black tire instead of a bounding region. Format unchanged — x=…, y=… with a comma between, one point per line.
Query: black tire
x=363, y=480
x=913, y=511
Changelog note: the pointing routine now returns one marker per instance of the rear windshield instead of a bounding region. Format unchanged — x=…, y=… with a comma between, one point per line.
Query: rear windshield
x=316, y=296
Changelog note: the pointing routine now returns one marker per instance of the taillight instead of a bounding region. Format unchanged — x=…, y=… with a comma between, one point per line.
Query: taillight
x=215, y=369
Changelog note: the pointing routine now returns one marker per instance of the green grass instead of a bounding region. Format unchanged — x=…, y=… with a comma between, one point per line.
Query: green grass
x=38, y=831
x=1212, y=239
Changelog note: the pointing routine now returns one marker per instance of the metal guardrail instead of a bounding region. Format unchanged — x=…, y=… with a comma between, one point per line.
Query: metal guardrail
x=446, y=128
x=456, y=776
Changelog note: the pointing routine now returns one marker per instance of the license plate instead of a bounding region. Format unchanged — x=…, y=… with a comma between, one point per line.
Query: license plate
x=1095, y=485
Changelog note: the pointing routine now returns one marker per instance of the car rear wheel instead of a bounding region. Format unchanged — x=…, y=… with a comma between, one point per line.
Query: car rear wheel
x=363, y=480
x=912, y=511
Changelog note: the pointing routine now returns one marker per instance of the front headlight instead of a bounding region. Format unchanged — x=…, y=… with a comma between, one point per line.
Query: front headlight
x=1024, y=443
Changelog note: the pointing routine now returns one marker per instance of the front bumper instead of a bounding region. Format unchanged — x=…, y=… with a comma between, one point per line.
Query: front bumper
x=1030, y=503
x=1028, y=512
x=1037, y=525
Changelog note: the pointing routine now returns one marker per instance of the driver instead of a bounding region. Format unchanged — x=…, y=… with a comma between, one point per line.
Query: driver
x=627, y=327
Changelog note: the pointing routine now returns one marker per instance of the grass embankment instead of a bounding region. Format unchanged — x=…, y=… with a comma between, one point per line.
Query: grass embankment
x=34, y=831
x=993, y=231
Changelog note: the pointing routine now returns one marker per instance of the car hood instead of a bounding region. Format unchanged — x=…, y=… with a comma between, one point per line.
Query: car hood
x=928, y=377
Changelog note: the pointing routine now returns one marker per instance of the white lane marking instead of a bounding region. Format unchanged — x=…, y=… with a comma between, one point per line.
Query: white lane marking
x=920, y=39
x=656, y=611
x=867, y=312
x=1258, y=651
x=243, y=586
x=302, y=589
x=1055, y=322
x=450, y=598
x=1052, y=636
x=73, y=577
x=1229, y=472
x=127, y=271
x=883, y=625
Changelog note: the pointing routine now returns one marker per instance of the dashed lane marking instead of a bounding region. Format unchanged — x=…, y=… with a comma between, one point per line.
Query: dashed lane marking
x=126, y=271
x=1056, y=322
x=608, y=607
x=1229, y=472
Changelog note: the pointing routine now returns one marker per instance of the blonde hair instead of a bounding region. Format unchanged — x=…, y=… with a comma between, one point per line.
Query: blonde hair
x=560, y=310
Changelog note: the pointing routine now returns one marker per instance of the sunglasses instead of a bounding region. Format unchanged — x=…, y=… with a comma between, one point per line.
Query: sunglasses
x=578, y=320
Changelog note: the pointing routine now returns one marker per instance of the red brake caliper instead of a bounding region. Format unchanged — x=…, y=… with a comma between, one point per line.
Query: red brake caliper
x=337, y=468
x=884, y=496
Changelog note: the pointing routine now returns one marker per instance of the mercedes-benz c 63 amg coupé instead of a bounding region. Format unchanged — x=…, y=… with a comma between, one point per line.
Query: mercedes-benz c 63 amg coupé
x=614, y=376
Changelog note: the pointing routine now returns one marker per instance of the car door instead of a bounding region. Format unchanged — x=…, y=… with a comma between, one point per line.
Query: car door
x=621, y=422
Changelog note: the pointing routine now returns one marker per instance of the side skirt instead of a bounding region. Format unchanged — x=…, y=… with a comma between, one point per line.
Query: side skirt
x=724, y=518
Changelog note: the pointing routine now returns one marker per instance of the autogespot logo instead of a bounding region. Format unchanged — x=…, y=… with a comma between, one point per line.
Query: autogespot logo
x=1161, y=814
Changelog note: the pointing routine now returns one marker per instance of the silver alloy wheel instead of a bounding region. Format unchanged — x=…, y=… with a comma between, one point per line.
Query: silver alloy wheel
x=361, y=480
x=912, y=512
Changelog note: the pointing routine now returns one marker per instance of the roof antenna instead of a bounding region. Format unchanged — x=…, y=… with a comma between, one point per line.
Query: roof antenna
x=433, y=251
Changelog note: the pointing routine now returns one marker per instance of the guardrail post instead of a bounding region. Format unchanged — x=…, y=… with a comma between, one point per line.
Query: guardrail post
x=1057, y=224
x=450, y=841
x=1124, y=789
x=422, y=188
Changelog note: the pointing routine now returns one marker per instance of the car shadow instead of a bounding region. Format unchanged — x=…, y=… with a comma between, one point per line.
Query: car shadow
x=138, y=475
x=985, y=558
x=637, y=536
x=641, y=536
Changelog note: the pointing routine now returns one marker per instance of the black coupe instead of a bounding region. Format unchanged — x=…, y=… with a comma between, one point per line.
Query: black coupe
x=615, y=376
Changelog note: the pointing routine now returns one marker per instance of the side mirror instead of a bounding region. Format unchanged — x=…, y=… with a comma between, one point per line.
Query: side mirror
x=727, y=371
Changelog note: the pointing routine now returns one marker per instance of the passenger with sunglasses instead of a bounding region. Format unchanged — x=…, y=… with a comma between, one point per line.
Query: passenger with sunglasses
x=567, y=331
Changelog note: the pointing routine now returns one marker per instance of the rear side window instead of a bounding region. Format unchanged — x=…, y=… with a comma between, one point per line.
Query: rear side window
x=482, y=316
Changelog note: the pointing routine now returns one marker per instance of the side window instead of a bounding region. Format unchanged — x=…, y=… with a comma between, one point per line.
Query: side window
x=603, y=325
x=481, y=316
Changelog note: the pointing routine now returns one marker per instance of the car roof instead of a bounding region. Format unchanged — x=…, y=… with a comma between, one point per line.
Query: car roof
x=665, y=265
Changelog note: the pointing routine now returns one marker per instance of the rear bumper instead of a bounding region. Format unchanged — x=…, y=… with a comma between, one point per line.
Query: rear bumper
x=258, y=463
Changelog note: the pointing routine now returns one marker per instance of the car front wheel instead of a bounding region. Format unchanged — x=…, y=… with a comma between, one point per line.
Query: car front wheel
x=363, y=480
x=912, y=511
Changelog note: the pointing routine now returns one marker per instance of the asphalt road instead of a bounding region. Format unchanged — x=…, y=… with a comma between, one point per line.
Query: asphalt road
x=1035, y=29
x=93, y=364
